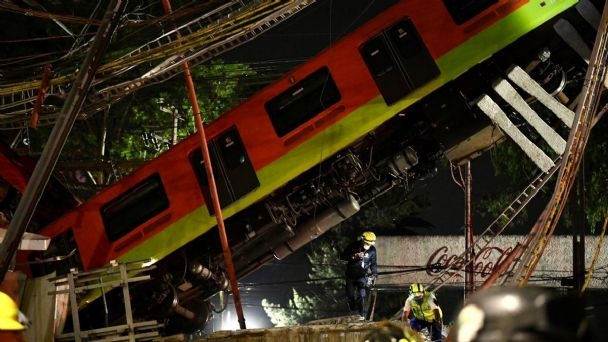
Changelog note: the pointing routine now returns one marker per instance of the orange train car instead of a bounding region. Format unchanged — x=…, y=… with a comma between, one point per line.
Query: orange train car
x=307, y=151
x=311, y=113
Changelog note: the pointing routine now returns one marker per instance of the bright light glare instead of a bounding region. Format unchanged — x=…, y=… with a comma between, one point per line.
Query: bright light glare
x=230, y=321
x=511, y=303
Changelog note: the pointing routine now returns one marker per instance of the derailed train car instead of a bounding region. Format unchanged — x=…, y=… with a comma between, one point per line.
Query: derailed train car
x=374, y=111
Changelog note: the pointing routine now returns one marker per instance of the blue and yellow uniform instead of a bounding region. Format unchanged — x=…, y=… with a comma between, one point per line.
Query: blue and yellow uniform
x=425, y=311
x=360, y=257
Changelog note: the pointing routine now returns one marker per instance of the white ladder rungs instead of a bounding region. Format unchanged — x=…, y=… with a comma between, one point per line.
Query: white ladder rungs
x=495, y=113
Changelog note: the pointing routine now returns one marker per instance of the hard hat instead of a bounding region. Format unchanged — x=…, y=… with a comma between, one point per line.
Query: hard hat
x=530, y=314
x=369, y=237
x=9, y=314
x=417, y=289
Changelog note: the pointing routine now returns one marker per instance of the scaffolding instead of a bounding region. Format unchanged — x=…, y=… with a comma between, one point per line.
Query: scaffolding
x=116, y=275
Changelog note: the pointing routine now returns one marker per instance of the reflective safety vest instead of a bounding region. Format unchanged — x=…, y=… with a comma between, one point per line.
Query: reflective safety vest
x=424, y=310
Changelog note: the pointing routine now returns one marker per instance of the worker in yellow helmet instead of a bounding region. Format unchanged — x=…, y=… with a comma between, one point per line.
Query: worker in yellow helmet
x=10, y=327
x=9, y=314
x=425, y=311
x=361, y=271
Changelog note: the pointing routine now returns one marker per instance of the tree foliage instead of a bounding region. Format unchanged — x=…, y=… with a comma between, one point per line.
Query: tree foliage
x=300, y=309
x=388, y=212
x=154, y=122
x=508, y=160
x=322, y=296
x=147, y=123
x=595, y=171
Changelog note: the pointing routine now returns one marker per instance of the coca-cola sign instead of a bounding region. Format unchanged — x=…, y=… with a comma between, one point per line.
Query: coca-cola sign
x=484, y=263
x=408, y=259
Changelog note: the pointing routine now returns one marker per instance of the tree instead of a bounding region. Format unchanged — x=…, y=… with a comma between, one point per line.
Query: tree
x=322, y=296
x=144, y=125
x=300, y=309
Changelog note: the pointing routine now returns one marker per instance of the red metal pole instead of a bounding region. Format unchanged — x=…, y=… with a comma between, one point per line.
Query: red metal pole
x=46, y=75
x=212, y=186
x=502, y=267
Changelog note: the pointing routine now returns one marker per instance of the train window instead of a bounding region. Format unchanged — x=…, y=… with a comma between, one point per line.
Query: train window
x=134, y=207
x=233, y=172
x=303, y=101
x=463, y=10
x=399, y=61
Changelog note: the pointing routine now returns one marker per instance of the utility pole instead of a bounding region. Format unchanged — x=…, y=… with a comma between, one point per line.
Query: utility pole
x=578, y=233
x=469, y=235
x=212, y=186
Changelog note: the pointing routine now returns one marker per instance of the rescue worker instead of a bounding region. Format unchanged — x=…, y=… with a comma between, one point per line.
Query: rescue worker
x=425, y=311
x=11, y=330
x=528, y=314
x=361, y=271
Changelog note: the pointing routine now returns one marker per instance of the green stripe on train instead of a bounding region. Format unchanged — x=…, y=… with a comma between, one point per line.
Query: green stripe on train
x=359, y=122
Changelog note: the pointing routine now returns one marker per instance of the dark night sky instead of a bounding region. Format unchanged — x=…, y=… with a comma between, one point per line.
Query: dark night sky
x=447, y=211
x=309, y=32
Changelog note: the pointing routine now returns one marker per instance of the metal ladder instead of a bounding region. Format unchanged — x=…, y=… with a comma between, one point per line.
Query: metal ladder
x=496, y=227
x=111, y=94
x=116, y=275
x=543, y=230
